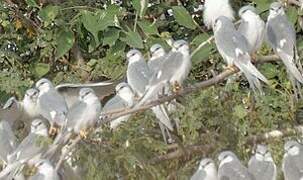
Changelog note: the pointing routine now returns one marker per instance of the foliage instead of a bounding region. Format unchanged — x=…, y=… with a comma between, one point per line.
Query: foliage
x=78, y=41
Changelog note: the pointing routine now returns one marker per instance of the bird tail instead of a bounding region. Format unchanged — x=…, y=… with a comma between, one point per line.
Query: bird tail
x=291, y=66
x=251, y=72
x=162, y=115
x=9, y=169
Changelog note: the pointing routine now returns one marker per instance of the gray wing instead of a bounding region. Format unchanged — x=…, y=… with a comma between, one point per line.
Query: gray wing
x=279, y=28
x=262, y=170
x=171, y=63
x=155, y=64
x=114, y=103
x=199, y=175
x=28, y=148
x=291, y=169
x=7, y=140
x=234, y=171
x=243, y=28
x=75, y=114
x=138, y=76
x=52, y=101
x=71, y=91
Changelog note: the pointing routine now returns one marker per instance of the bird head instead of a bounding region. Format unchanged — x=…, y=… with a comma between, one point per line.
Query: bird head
x=275, y=9
x=87, y=95
x=226, y=157
x=125, y=92
x=31, y=95
x=221, y=22
x=156, y=51
x=246, y=10
x=208, y=165
x=292, y=148
x=43, y=85
x=133, y=55
x=262, y=153
x=39, y=127
x=180, y=46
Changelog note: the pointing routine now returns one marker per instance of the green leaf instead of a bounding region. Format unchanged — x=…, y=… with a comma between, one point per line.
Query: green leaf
x=98, y=21
x=140, y=6
x=183, y=17
x=32, y=3
x=111, y=35
x=240, y=111
x=203, y=52
x=262, y=5
x=48, y=14
x=148, y=28
x=292, y=14
x=41, y=69
x=65, y=41
x=133, y=39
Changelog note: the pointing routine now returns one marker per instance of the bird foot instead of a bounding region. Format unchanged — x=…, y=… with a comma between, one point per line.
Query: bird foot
x=176, y=87
x=83, y=134
x=230, y=68
x=253, y=58
x=53, y=130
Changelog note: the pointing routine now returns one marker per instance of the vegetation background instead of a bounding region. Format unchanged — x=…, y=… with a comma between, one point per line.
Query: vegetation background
x=86, y=40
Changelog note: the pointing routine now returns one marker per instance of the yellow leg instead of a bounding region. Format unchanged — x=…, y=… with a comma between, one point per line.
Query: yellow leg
x=53, y=130
x=83, y=134
x=253, y=57
x=230, y=68
x=176, y=87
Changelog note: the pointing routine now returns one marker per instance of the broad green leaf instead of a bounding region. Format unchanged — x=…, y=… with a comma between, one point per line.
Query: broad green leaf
x=133, y=39
x=240, y=111
x=292, y=14
x=262, y=5
x=32, y=3
x=98, y=21
x=111, y=35
x=48, y=14
x=41, y=69
x=183, y=17
x=65, y=41
x=204, y=52
x=148, y=28
x=140, y=6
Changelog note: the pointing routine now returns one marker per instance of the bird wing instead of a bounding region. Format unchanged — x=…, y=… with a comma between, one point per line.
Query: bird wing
x=115, y=103
x=262, y=170
x=50, y=102
x=76, y=114
x=199, y=175
x=138, y=76
x=70, y=92
x=234, y=171
x=7, y=140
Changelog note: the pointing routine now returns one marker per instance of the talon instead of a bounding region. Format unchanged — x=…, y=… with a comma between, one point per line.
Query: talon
x=53, y=130
x=253, y=58
x=176, y=87
x=83, y=134
x=230, y=68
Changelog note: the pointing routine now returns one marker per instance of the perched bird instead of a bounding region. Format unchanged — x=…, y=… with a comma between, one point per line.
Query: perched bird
x=70, y=92
x=29, y=103
x=262, y=165
x=45, y=171
x=51, y=104
x=157, y=57
x=281, y=35
x=214, y=9
x=28, y=150
x=292, y=164
x=252, y=27
x=207, y=170
x=230, y=167
x=138, y=77
x=124, y=98
x=29, y=147
x=8, y=140
x=174, y=70
x=85, y=113
x=234, y=49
